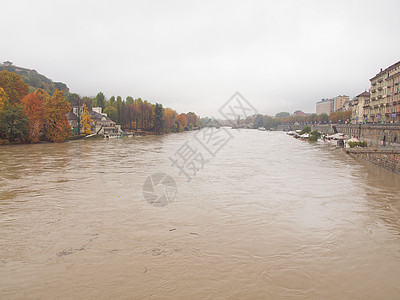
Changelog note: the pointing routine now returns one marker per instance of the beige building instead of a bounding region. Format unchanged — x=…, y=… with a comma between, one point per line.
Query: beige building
x=328, y=106
x=325, y=106
x=339, y=101
x=357, y=107
x=385, y=100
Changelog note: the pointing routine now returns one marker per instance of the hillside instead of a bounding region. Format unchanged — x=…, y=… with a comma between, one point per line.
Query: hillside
x=34, y=79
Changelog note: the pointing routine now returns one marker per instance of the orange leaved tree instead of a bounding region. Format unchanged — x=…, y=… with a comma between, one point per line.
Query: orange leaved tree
x=33, y=104
x=181, y=121
x=57, y=128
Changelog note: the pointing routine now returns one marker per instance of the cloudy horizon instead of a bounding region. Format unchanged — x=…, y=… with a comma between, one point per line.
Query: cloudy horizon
x=192, y=56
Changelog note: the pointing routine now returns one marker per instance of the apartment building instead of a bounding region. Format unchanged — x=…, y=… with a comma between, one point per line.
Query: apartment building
x=339, y=101
x=358, y=112
x=325, y=106
x=384, y=105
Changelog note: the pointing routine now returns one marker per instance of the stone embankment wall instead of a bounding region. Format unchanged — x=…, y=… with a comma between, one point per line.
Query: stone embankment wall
x=375, y=135
x=388, y=159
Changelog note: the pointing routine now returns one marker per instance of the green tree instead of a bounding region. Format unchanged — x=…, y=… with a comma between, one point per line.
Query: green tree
x=101, y=100
x=306, y=129
x=112, y=101
x=282, y=114
x=158, y=119
x=111, y=112
x=119, y=110
x=129, y=100
x=93, y=102
x=73, y=99
x=14, y=122
x=323, y=118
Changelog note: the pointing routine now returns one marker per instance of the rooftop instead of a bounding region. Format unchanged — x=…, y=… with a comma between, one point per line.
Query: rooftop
x=386, y=70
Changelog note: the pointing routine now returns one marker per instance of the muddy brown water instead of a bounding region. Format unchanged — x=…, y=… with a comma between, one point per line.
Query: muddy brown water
x=269, y=217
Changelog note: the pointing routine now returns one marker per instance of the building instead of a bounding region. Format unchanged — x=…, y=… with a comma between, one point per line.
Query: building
x=339, y=101
x=325, y=106
x=384, y=105
x=358, y=108
x=101, y=123
x=99, y=110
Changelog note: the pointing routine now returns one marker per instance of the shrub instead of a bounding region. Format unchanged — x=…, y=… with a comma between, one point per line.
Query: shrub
x=306, y=129
x=358, y=144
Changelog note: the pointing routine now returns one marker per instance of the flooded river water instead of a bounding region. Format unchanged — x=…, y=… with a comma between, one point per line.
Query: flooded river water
x=268, y=217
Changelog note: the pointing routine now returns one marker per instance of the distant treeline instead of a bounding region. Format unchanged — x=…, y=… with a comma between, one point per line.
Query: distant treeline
x=138, y=114
x=272, y=122
x=31, y=116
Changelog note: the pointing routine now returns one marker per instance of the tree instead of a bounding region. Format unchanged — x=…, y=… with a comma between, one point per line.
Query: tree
x=282, y=114
x=86, y=121
x=33, y=104
x=323, y=118
x=129, y=100
x=57, y=127
x=119, y=110
x=258, y=121
x=169, y=118
x=14, y=122
x=3, y=98
x=111, y=112
x=181, y=121
x=158, y=119
x=73, y=99
x=192, y=120
x=86, y=100
x=14, y=86
x=101, y=100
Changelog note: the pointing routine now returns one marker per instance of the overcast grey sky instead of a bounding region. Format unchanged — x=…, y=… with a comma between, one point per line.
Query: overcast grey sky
x=193, y=55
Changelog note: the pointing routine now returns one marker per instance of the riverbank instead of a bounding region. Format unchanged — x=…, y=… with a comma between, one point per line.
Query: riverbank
x=385, y=158
x=377, y=144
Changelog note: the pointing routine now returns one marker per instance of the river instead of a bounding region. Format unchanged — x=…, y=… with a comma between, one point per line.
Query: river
x=265, y=216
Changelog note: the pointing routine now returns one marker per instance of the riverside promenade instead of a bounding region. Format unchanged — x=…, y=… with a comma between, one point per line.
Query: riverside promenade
x=383, y=141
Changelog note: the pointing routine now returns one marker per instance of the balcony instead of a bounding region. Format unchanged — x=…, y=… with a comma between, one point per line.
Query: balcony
x=380, y=88
x=373, y=91
x=373, y=83
x=380, y=97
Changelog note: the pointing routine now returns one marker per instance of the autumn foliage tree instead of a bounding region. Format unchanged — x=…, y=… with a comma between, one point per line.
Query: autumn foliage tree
x=181, y=121
x=86, y=120
x=33, y=104
x=14, y=86
x=57, y=127
x=192, y=120
x=3, y=98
